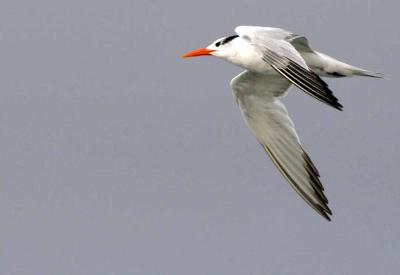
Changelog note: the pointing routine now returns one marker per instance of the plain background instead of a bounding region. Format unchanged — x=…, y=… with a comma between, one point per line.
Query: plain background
x=119, y=157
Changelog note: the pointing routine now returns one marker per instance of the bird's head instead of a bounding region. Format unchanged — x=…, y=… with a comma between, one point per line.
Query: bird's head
x=222, y=47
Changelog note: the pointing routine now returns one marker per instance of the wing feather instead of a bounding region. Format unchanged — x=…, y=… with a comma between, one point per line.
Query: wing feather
x=268, y=119
x=304, y=79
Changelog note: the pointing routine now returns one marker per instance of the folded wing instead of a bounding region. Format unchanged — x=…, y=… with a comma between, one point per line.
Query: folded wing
x=268, y=119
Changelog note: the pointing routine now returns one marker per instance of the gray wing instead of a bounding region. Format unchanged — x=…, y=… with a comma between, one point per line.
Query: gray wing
x=300, y=43
x=274, y=45
x=268, y=119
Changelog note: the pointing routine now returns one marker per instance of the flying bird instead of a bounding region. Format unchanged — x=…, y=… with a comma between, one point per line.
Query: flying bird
x=273, y=59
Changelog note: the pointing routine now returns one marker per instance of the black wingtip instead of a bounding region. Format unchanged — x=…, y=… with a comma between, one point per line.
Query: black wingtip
x=338, y=106
x=329, y=217
x=326, y=214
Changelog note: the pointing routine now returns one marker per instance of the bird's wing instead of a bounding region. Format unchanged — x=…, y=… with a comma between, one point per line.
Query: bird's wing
x=268, y=119
x=273, y=33
x=298, y=41
x=281, y=55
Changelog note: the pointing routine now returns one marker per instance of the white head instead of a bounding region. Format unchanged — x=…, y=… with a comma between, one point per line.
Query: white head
x=223, y=47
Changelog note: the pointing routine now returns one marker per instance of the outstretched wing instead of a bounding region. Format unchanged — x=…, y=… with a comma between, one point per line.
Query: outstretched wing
x=268, y=119
x=274, y=45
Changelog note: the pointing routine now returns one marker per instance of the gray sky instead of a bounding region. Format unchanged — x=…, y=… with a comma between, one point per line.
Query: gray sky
x=118, y=157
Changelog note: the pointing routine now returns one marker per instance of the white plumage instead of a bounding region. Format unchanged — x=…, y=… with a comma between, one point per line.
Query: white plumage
x=274, y=59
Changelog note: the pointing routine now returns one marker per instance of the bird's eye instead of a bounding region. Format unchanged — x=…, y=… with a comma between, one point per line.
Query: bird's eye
x=218, y=44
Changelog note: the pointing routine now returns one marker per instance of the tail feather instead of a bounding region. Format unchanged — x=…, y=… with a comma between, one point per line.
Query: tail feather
x=325, y=65
x=361, y=72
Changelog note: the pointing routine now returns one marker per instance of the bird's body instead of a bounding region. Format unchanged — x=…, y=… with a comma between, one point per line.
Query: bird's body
x=274, y=59
x=247, y=49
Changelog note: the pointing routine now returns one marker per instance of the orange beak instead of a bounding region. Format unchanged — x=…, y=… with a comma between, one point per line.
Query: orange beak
x=198, y=52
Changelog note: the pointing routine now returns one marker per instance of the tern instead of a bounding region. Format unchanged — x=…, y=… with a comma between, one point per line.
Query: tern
x=273, y=59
